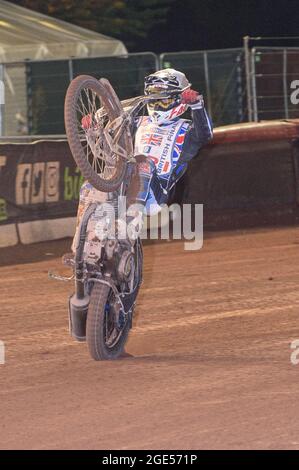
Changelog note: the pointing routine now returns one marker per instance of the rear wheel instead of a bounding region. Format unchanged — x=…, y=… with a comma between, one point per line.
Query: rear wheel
x=101, y=159
x=105, y=334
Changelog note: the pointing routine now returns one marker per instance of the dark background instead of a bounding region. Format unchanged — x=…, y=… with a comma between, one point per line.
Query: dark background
x=217, y=24
x=176, y=25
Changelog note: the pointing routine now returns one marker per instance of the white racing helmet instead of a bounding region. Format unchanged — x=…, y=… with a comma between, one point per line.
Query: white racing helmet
x=169, y=83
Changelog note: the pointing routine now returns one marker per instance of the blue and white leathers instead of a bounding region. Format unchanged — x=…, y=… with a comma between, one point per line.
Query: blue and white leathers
x=169, y=147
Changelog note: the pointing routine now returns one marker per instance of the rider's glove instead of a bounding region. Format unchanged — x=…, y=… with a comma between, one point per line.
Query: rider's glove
x=86, y=121
x=193, y=99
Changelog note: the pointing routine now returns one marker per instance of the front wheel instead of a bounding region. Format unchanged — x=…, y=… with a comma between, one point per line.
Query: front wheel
x=91, y=108
x=107, y=328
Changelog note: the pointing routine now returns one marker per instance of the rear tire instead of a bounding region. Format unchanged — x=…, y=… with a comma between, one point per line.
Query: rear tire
x=95, y=327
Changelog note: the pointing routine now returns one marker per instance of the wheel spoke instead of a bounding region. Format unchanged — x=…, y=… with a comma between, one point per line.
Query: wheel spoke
x=97, y=152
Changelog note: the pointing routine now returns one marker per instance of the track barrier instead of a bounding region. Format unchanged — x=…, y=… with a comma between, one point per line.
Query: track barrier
x=248, y=175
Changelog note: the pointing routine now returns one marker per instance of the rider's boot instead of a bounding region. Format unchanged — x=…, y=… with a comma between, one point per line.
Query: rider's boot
x=68, y=259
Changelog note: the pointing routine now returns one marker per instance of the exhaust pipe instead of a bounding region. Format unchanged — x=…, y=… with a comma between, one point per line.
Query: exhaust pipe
x=79, y=301
x=78, y=309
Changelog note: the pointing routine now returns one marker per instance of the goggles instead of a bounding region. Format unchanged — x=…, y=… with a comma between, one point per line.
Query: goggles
x=154, y=89
x=162, y=104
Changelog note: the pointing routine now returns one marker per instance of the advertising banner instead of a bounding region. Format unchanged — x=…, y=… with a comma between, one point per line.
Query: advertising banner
x=39, y=191
x=255, y=181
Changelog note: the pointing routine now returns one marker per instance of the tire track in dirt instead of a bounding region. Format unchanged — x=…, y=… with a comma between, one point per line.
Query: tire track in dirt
x=209, y=363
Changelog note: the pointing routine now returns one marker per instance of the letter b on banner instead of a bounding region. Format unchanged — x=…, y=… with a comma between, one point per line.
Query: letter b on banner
x=2, y=353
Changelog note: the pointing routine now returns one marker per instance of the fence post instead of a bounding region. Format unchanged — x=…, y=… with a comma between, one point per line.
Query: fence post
x=2, y=99
x=71, y=71
x=157, y=62
x=240, y=96
x=253, y=81
x=161, y=64
x=29, y=98
x=285, y=84
x=248, y=74
x=207, y=79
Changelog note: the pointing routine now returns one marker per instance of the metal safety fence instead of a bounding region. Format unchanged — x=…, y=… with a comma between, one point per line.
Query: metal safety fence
x=274, y=78
x=244, y=84
x=35, y=90
x=220, y=76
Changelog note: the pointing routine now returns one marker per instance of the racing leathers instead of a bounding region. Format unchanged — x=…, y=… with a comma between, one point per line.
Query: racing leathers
x=167, y=149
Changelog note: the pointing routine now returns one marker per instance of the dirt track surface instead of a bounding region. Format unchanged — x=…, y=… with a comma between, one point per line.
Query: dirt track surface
x=209, y=363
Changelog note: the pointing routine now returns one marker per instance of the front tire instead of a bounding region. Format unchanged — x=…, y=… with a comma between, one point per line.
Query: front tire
x=85, y=95
x=96, y=328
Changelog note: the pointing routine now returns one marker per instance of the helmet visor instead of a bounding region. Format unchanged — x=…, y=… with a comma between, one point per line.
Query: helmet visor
x=154, y=90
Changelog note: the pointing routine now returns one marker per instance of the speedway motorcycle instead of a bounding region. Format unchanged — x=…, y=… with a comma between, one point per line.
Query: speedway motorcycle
x=107, y=268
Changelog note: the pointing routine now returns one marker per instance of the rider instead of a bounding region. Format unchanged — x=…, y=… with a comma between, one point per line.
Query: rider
x=167, y=141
